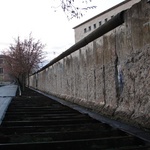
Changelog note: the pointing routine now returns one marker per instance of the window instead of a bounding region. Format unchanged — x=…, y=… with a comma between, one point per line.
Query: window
x=1, y=61
x=89, y=28
x=85, y=30
x=1, y=70
x=100, y=23
x=94, y=26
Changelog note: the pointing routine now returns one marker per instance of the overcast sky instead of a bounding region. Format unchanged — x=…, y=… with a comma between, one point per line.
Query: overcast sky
x=22, y=17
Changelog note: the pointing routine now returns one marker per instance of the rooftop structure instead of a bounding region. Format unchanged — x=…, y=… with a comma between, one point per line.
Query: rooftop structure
x=91, y=24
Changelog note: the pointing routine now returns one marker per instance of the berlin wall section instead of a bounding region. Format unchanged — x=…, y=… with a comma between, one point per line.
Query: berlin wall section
x=133, y=51
x=110, y=75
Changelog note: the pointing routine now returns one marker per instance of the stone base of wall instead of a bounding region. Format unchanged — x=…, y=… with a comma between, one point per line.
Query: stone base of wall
x=123, y=115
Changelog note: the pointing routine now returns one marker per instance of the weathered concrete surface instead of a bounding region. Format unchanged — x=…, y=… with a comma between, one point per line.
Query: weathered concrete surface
x=111, y=75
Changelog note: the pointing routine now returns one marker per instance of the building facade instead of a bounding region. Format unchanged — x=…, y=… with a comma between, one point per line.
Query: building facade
x=85, y=28
x=4, y=76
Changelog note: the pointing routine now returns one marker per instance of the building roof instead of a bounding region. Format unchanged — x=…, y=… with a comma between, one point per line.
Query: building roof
x=122, y=3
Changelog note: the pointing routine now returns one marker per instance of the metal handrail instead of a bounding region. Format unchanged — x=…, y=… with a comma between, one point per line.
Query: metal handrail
x=106, y=27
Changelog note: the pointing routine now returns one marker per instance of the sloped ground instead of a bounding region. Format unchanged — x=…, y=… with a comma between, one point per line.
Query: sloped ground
x=6, y=94
x=34, y=121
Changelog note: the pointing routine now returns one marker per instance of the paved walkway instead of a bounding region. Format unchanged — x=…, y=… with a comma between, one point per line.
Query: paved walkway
x=6, y=94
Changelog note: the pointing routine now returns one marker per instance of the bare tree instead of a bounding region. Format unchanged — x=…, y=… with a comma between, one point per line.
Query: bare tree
x=22, y=58
x=73, y=9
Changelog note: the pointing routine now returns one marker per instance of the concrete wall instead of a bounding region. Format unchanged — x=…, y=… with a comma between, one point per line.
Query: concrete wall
x=110, y=75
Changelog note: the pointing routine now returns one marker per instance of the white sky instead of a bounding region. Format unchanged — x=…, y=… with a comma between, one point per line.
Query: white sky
x=21, y=17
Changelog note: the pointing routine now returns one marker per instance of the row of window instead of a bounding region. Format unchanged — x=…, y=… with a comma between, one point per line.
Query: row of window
x=1, y=70
x=95, y=26
x=1, y=61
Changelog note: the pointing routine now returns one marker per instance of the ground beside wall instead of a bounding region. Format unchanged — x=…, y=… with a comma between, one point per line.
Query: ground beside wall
x=110, y=75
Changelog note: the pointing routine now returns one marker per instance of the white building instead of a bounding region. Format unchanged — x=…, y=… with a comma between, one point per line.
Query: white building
x=91, y=24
